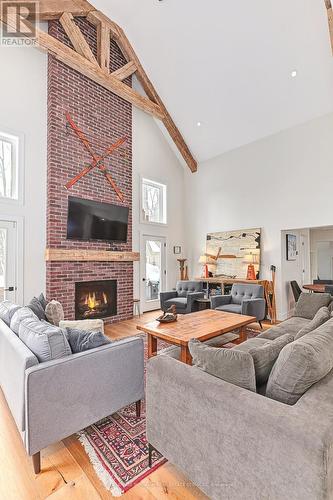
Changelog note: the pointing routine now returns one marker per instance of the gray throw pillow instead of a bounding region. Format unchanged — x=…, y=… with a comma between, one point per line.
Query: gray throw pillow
x=321, y=317
x=42, y=300
x=47, y=342
x=301, y=364
x=54, y=312
x=235, y=367
x=7, y=310
x=309, y=304
x=81, y=340
x=37, y=308
x=265, y=354
x=19, y=315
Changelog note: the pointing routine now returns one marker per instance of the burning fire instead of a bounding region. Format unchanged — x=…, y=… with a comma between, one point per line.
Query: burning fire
x=91, y=301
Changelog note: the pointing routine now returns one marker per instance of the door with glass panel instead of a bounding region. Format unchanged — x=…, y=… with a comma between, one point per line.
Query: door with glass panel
x=8, y=252
x=153, y=271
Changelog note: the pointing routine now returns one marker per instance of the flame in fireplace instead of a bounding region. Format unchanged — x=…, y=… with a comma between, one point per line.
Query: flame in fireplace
x=105, y=299
x=91, y=300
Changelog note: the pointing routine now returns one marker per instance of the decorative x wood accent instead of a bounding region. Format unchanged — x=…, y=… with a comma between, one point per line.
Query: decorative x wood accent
x=97, y=161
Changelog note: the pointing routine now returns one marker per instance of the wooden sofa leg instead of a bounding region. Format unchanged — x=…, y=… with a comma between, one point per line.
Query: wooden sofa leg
x=260, y=323
x=36, y=462
x=138, y=409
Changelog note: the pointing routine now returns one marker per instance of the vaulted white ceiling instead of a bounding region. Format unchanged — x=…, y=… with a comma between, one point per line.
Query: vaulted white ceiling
x=228, y=64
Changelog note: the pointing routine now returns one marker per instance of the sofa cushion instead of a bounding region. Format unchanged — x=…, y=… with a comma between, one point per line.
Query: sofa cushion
x=235, y=367
x=90, y=325
x=321, y=317
x=309, y=303
x=19, y=315
x=7, y=310
x=292, y=326
x=46, y=341
x=180, y=302
x=42, y=300
x=54, y=312
x=82, y=340
x=301, y=364
x=264, y=353
x=37, y=308
x=233, y=308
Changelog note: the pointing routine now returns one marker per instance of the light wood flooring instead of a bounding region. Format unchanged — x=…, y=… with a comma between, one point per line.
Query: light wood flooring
x=66, y=477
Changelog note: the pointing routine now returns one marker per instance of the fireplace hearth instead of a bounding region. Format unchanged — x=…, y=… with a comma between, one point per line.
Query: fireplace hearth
x=95, y=299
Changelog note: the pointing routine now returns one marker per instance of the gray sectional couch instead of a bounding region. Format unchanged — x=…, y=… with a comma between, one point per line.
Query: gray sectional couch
x=52, y=400
x=236, y=444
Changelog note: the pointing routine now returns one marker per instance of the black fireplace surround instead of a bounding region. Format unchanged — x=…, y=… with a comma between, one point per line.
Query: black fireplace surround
x=95, y=299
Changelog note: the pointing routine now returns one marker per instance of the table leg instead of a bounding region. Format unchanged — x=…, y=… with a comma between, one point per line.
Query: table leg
x=152, y=346
x=242, y=335
x=185, y=355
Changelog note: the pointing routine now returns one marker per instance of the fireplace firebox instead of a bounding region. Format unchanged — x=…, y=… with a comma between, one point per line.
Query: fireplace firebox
x=95, y=299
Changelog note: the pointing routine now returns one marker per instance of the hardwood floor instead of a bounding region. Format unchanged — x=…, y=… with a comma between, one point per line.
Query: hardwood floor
x=66, y=477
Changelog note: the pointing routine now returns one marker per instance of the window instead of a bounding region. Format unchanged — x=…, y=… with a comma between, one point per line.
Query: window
x=153, y=202
x=9, y=145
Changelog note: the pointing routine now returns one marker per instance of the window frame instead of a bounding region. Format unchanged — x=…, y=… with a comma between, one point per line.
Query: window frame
x=18, y=137
x=164, y=190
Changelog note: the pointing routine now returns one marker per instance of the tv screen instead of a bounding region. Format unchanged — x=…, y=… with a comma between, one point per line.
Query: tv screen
x=90, y=220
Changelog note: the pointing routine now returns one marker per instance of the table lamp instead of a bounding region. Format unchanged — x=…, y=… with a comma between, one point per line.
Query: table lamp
x=252, y=260
x=205, y=262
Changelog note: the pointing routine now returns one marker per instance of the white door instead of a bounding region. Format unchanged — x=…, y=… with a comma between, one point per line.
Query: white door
x=8, y=259
x=153, y=271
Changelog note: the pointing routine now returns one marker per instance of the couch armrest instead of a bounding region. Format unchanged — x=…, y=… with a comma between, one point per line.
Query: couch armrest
x=69, y=394
x=220, y=430
x=165, y=296
x=254, y=307
x=191, y=298
x=220, y=300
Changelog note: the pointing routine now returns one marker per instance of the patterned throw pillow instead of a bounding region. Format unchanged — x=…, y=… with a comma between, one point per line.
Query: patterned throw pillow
x=81, y=340
x=54, y=312
x=88, y=325
x=7, y=310
x=19, y=315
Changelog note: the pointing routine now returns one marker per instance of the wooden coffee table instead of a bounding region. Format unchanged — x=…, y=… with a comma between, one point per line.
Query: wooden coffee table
x=202, y=325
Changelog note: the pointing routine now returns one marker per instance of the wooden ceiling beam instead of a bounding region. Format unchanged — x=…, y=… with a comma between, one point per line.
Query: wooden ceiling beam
x=103, y=46
x=79, y=63
x=49, y=10
x=329, y=8
x=73, y=32
x=125, y=71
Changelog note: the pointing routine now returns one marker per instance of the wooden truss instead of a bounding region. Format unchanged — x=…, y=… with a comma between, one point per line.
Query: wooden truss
x=83, y=60
x=328, y=4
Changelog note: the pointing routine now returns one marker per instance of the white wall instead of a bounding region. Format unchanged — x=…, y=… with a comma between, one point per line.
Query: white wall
x=154, y=159
x=23, y=100
x=283, y=181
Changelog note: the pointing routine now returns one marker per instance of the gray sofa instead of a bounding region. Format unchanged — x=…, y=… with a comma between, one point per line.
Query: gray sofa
x=244, y=299
x=52, y=400
x=184, y=297
x=236, y=444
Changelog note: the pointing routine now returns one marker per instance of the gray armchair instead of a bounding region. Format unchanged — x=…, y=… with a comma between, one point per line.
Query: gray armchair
x=186, y=293
x=244, y=299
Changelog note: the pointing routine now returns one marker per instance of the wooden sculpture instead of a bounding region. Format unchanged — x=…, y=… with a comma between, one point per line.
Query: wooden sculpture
x=182, y=269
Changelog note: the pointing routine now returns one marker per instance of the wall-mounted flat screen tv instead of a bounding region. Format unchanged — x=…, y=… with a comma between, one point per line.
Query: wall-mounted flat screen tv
x=91, y=220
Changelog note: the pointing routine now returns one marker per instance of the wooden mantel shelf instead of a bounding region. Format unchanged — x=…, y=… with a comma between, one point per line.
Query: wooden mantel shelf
x=76, y=255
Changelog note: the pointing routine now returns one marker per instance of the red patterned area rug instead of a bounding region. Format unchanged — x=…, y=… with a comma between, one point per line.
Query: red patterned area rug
x=118, y=449
x=117, y=445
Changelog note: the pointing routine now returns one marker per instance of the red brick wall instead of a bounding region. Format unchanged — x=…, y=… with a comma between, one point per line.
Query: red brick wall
x=104, y=117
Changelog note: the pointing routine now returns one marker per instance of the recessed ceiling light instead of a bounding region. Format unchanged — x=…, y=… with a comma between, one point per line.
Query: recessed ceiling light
x=294, y=73
x=199, y=124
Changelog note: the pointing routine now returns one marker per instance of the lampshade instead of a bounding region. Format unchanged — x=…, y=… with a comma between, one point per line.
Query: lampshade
x=251, y=258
